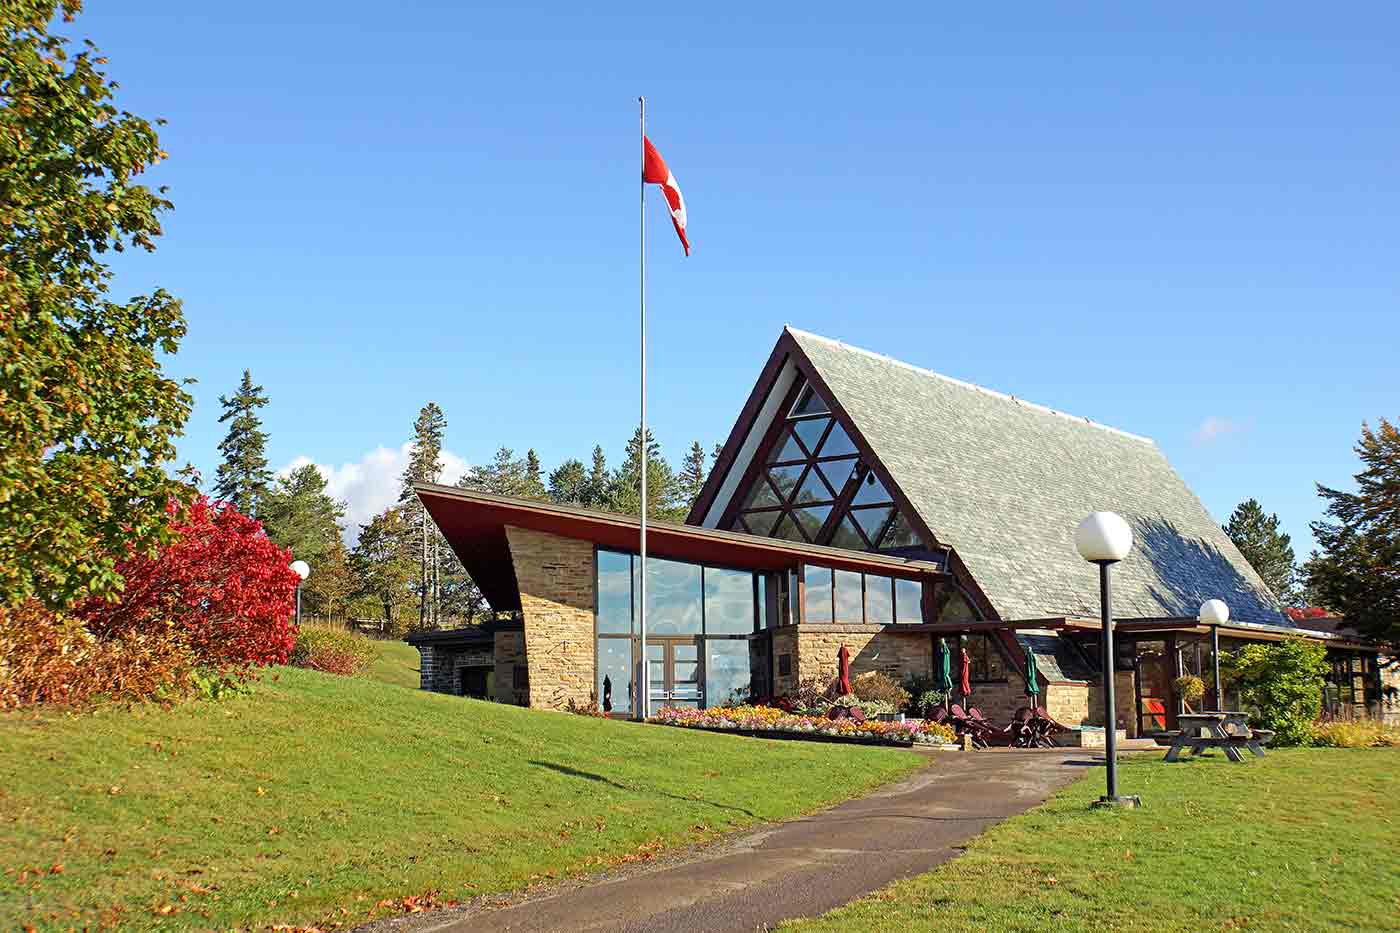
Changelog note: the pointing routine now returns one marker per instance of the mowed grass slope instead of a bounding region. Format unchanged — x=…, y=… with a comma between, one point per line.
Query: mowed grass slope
x=395, y=662
x=321, y=794
x=1305, y=839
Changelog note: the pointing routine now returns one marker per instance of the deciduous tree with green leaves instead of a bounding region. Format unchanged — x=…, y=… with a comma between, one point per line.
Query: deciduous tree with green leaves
x=1281, y=684
x=87, y=414
x=385, y=564
x=1356, y=574
x=568, y=483
x=1268, y=550
x=243, y=477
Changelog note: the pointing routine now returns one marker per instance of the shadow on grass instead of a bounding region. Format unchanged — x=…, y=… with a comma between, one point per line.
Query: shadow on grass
x=590, y=776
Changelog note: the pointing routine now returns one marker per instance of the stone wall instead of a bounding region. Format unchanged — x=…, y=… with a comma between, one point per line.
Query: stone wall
x=556, y=579
x=440, y=666
x=893, y=653
x=1125, y=698
x=510, y=653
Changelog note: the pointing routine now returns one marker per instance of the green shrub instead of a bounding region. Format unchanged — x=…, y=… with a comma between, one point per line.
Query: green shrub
x=1356, y=733
x=875, y=686
x=924, y=693
x=1281, y=685
x=332, y=650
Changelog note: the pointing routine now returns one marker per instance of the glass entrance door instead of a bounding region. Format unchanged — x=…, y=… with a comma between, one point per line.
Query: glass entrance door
x=674, y=672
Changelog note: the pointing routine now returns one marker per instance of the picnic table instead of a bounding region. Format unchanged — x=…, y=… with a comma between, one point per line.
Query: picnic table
x=1225, y=730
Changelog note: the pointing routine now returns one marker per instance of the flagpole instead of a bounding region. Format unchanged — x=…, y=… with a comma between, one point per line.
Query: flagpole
x=642, y=612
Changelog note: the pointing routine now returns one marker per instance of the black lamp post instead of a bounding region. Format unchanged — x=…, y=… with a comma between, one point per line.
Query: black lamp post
x=1104, y=539
x=1215, y=613
x=303, y=570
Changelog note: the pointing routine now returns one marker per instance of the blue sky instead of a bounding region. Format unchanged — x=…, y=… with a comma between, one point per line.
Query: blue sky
x=1179, y=222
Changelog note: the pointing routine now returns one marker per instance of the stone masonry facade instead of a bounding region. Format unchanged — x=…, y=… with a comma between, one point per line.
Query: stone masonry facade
x=556, y=579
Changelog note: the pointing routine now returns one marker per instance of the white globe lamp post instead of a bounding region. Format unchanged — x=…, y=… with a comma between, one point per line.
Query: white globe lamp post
x=1215, y=613
x=1103, y=538
x=303, y=570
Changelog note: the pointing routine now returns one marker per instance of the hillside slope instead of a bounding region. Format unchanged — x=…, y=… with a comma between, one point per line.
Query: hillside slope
x=319, y=796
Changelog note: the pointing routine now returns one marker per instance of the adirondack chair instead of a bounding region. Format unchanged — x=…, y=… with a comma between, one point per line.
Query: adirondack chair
x=1021, y=729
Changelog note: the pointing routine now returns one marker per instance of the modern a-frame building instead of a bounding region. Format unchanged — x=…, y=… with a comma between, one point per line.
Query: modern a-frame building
x=860, y=501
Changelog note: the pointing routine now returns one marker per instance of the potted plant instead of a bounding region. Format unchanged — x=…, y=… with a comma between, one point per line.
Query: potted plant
x=1189, y=689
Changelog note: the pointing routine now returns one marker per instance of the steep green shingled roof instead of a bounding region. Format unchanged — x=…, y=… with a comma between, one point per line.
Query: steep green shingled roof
x=1005, y=483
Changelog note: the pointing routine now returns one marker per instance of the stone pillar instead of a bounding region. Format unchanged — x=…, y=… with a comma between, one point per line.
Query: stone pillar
x=556, y=577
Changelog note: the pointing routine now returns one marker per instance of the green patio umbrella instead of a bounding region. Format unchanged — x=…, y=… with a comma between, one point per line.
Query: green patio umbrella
x=943, y=667
x=1032, y=677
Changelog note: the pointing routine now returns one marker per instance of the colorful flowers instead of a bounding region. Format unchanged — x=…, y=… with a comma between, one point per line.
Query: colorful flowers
x=772, y=719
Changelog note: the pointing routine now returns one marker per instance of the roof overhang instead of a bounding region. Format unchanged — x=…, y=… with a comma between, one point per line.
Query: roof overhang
x=474, y=525
x=1256, y=631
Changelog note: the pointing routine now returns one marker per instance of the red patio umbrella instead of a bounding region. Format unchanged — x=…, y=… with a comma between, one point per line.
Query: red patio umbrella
x=843, y=664
x=966, y=676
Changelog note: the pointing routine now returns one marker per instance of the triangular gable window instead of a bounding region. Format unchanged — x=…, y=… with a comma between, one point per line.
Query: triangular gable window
x=809, y=403
x=813, y=470
x=837, y=444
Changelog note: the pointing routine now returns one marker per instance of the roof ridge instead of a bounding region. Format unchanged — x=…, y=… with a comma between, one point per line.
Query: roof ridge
x=969, y=385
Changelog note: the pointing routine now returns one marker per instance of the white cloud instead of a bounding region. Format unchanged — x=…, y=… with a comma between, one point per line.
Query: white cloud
x=1214, y=428
x=370, y=484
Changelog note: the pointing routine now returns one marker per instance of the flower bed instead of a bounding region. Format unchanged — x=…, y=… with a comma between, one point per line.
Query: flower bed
x=768, y=720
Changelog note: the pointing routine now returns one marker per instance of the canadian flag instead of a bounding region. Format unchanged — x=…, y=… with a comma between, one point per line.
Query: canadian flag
x=655, y=172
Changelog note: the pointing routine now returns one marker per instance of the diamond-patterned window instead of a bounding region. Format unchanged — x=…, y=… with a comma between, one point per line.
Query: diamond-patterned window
x=816, y=488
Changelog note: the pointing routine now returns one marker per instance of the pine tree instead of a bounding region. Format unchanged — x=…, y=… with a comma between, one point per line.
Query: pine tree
x=1355, y=572
x=568, y=483
x=625, y=490
x=299, y=514
x=692, y=476
x=714, y=454
x=595, y=493
x=424, y=466
x=243, y=478
x=533, y=486
x=1268, y=550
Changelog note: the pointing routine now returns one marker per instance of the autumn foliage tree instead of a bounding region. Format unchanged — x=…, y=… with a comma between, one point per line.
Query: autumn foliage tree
x=221, y=587
x=87, y=416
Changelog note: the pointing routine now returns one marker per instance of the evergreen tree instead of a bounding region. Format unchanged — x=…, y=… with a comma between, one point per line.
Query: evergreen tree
x=692, y=476
x=1268, y=550
x=568, y=483
x=714, y=454
x=1355, y=573
x=533, y=487
x=424, y=466
x=595, y=493
x=243, y=478
x=297, y=513
x=87, y=416
x=505, y=475
x=625, y=490
x=385, y=565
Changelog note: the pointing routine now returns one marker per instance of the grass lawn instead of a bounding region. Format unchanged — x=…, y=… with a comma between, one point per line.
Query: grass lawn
x=396, y=663
x=320, y=794
x=1305, y=839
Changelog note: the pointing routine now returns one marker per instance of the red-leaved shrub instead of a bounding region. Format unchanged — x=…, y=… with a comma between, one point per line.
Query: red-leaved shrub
x=49, y=659
x=221, y=588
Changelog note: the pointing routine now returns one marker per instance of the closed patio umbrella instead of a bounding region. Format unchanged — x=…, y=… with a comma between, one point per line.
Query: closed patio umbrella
x=966, y=676
x=943, y=668
x=843, y=667
x=1032, y=677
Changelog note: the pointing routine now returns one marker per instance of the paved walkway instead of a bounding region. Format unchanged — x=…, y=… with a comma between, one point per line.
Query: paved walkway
x=801, y=868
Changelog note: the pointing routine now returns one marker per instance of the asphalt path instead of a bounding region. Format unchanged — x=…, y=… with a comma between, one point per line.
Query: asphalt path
x=755, y=880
